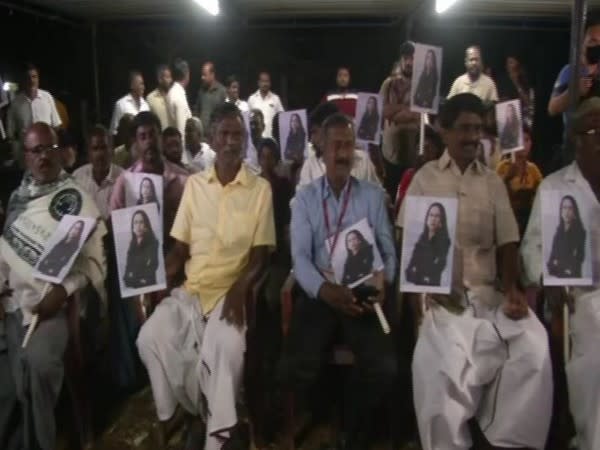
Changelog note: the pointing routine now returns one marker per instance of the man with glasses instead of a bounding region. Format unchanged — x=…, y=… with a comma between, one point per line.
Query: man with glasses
x=31, y=377
x=480, y=351
x=581, y=176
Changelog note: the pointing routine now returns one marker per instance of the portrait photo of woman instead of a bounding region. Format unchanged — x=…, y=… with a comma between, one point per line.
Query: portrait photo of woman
x=430, y=253
x=369, y=123
x=568, y=245
x=428, y=81
x=509, y=137
x=295, y=144
x=359, y=259
x=142, y=254
x=147, y=193
x=63, y=251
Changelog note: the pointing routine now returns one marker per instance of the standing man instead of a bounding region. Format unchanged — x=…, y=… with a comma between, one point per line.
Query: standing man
x=267, y=101
x=31, y=378
x=172, y=146
x=480, y=350
x=344, y=98
x=157, y=99
x=233, y=94
x=177, y=103
x=193, y=345
x=132, y=103
x=401, y=126
x=475, y=81
x=257, y=126
x=211, y=94
x=98, y=177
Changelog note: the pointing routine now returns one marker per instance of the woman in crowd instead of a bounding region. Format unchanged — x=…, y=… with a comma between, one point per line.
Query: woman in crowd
x=142, y=255
x=359, y=262
x=428, y=81
x=369, y=123
x=147, y=193
x=430, y=254
x=62, y=252
x=568, y=245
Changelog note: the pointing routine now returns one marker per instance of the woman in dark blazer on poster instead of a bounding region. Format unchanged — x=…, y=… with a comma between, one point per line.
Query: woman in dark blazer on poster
x=568, y=245
x=428, y=81
x=430, y=254
x=359, y=262
x=62, y=252
x=369, y=122
x=295, y=144
x=142, y=255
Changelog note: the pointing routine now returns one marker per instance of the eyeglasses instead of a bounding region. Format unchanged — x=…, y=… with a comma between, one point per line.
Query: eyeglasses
x=38, y=150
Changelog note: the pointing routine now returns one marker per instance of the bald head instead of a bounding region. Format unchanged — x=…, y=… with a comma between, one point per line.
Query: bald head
x=42, y=157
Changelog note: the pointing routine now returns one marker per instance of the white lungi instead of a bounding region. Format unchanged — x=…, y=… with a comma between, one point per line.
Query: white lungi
x=190, y=356
x=482, y=364
x=583, y=371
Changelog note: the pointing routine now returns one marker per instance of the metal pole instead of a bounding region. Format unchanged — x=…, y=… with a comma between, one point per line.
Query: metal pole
x=95, y=68
x=578, y=16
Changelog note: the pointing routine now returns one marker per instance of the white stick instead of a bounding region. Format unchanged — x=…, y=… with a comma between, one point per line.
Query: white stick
x=422, y=135
x=143, y=305
x=34, y=319
x=566, y=331
x=385, y=326
x=423, y=303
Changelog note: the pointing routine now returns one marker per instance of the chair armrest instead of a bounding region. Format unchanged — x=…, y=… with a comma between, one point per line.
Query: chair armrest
x=287, y=303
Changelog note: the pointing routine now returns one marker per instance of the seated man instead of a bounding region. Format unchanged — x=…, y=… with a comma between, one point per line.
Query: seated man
x=197, y=154
x=314, y=166
x=326, y=206
x=480, y=353
x=581, y=176
x=31, y=378
x=173, y=147
x=193, y=345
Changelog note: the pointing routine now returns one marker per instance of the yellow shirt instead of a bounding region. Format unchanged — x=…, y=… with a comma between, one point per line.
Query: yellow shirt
x=530, y=182
x=221, y=224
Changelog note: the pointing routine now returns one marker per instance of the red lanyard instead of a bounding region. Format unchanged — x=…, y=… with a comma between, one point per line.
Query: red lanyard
x=339, y=223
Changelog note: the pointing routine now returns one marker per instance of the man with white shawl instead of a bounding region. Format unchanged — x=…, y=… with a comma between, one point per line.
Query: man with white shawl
x=481, y=353
x=31, y=377
x=582, y=176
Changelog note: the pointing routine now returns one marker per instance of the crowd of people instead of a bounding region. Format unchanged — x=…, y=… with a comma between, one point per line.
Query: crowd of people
x=237, y=217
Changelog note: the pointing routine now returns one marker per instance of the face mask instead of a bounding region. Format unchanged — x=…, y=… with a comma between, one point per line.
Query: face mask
x=592, y=54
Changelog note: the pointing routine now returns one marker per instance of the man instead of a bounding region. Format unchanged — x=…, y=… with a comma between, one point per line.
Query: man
x=582, y=176
x=146, y=129
x=475, y=81
x=157, y=99
x=268, y=102
x=197, y=154
x=320, y=212
x=193, y=345
x=211, y=94
x=480, y=351
x=125, y=153
x=257, y=126
x=31, y=378
x=172, y=146
x=401, y=126
x=177, y=103
x=133, y=103
x=343, y=97
x=314, y=166
x=98, y=177
x=233, y=94
x=29, y=106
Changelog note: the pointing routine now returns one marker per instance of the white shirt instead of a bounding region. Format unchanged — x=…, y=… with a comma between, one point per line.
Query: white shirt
x=269, y=105
x=241, y=104
x=158, y=105
x=484, y=87
x=126, y=105
x=24, y=112
x=204, y=159
x=314, y=167
x=178, y=107
x=100, y=193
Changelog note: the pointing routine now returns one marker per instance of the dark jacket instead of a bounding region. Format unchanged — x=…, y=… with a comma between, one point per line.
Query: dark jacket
x=426, y=90
x=509, y=138
x=428, y=260
x=568, y=252
x=58, y=257
x=368, y=127
x=358, y=266
x=295, y=146
x=142, y=263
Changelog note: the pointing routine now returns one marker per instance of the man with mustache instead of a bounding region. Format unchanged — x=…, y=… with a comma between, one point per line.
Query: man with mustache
x=320, y=212
x=480, y=351
x=193, y=345
x=475, y=81
x=31, y=378
x=582, y=176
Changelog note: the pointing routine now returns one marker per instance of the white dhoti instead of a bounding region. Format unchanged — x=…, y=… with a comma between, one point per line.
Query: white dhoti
x=195, y=361
x=583, y=371
x=482, y=364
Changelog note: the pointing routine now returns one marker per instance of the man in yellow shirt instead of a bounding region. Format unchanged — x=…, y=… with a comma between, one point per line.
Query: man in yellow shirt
x=193, y=345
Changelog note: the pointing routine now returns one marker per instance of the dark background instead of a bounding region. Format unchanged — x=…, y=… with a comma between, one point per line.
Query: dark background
x=302, y=56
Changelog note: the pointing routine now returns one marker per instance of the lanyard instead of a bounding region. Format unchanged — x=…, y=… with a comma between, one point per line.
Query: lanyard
x=339, y=223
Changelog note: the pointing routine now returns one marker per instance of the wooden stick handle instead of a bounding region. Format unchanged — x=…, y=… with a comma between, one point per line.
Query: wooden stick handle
x=566, y=330
x=34, y=319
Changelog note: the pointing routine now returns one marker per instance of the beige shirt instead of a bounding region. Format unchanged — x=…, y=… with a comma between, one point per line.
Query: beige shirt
x=484, y=87
x=158, y=105
x=485, y=218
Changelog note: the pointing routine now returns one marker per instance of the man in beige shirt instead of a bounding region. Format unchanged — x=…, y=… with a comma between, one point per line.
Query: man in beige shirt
x=483, y=329
x=157, y=99
x=475, y=81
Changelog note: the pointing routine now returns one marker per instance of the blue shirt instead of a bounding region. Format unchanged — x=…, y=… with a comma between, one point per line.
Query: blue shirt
x=309, y=232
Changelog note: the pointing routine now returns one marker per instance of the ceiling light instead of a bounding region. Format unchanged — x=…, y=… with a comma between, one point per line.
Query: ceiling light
x=443, y=5
x=211, y=6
